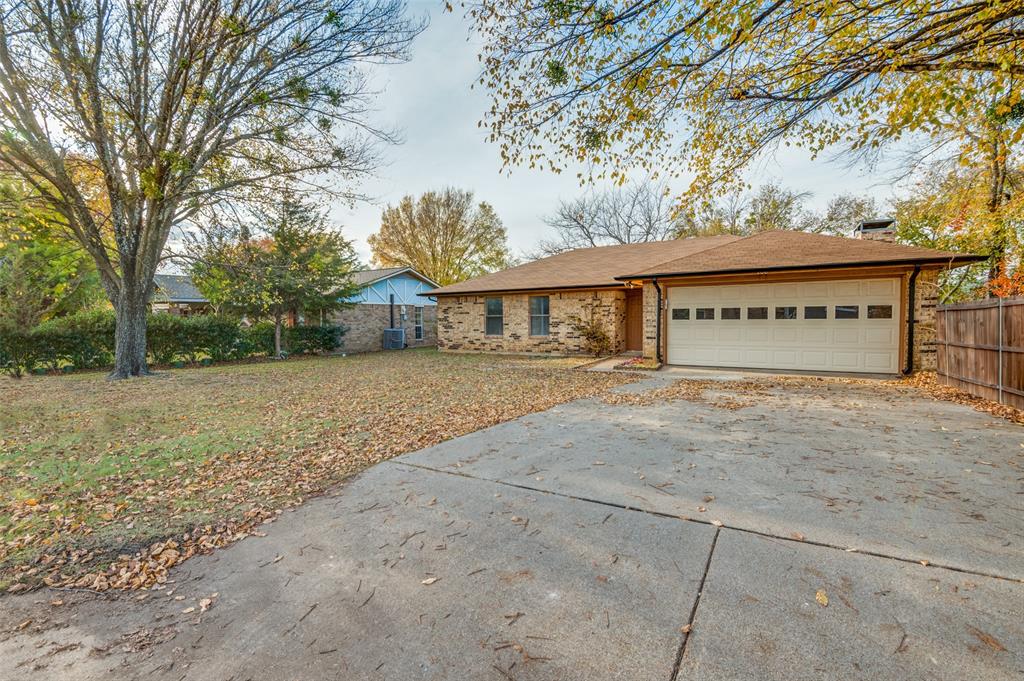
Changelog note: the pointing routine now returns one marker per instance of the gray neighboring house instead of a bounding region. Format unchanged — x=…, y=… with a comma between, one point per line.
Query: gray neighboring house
x=176, y=294
x=389, y=298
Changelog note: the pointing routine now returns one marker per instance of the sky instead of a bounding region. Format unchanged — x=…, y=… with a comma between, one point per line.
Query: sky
x=430, y=101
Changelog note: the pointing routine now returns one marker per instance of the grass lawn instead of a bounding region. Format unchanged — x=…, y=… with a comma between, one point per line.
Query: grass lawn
x=107, y=484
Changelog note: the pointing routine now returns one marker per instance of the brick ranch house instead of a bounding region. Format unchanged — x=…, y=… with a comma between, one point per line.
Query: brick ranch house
x=776, y=300
x=389, y=298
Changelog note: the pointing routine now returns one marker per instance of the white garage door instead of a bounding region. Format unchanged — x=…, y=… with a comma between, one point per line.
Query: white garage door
x=821, y=325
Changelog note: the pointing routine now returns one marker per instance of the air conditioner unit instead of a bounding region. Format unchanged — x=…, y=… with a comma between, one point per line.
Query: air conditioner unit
x=394, y=339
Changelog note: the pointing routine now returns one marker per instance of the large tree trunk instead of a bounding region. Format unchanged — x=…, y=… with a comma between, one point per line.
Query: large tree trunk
x=130, y=335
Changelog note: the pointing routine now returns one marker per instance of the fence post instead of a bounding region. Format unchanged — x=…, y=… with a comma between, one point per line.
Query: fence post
x=1000, y=346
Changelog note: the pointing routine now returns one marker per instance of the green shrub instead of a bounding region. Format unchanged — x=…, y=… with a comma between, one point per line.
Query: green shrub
x=258, y=339
x=216, y=336
x=167, y=338
x=85, y=340
x=17, y=354
x=306, y=340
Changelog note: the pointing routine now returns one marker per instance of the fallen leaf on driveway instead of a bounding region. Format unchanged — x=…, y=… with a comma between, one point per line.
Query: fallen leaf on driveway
x=205, y=604
x=822, y=598
x=716, y=523
x=430, y=580
x=188, y=610
x=988, y=639
x=798, y=536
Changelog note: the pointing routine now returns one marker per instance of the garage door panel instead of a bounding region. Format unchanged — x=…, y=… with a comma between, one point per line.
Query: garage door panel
x=847, y=360
x=847, y=335
x=814, y=290
x=879, y=361
x=881, y=287
x=786, y=358
x=816, y=359
x=819, y=336
x=879, y=336
x=821, y=343
x=785, y=290
x=757, y=334
x=846, y=288
x=731, y=355
x=704, y=355
x=756, y=357
x=704, y=333
x=784, y=335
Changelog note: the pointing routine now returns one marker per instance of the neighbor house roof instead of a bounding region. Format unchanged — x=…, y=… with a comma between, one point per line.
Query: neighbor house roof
x=789, y=250
x=367, y=277
x=585, y=267
x=177, y=288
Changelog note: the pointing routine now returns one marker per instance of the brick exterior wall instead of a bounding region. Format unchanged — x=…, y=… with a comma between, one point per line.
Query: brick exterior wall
x=365, y=324
x=651, y=320
x=926, y=299
x=460, y=322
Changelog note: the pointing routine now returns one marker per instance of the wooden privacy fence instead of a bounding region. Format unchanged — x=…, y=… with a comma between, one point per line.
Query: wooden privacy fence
x=980, y=348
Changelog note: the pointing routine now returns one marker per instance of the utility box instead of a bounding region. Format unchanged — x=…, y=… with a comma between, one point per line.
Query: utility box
x=394, y=339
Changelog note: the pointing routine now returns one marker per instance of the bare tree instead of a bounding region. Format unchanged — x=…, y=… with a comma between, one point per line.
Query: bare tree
x=772, y=206
x=176, y=106
x=631, y=214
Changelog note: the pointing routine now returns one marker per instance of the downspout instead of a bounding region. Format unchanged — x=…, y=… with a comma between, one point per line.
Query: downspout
x=657, y=318
x=911, y=303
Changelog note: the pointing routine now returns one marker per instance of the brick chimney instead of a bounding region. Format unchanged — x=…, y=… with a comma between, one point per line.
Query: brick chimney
x=882, y=229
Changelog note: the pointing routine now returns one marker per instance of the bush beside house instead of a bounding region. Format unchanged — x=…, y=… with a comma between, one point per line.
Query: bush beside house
x=86, y=341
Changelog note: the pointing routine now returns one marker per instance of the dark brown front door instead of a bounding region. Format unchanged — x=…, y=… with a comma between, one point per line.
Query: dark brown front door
x=634, y=319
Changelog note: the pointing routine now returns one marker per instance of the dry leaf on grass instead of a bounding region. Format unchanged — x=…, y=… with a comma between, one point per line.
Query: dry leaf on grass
x=181, y=477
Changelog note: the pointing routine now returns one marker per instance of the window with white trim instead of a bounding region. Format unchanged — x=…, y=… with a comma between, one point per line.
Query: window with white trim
x=494, y=315
x=540, y=315
x=418, y=321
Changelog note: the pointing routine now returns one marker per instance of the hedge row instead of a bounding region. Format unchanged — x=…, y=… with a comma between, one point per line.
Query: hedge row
x=86, y=341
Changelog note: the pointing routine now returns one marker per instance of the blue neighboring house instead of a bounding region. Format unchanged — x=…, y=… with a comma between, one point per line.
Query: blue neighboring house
x=389, y=298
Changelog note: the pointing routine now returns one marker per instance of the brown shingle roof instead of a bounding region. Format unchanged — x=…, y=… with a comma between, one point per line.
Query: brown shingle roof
x=777, y=250
x=585, y=267
x=781, y=250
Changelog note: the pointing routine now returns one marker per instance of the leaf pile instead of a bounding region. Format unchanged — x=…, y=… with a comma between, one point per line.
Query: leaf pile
x=694, y=390
x=108, y=485
x=927, y=382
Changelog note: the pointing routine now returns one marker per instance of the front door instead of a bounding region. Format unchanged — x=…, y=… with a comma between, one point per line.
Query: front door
x=634, y=319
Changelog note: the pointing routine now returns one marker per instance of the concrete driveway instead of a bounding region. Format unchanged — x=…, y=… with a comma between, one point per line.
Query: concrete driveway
x=826, y=531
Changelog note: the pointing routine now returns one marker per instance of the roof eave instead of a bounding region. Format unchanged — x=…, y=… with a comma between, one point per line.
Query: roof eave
x=476, y=292
x=957, y=261
x=423, y=277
